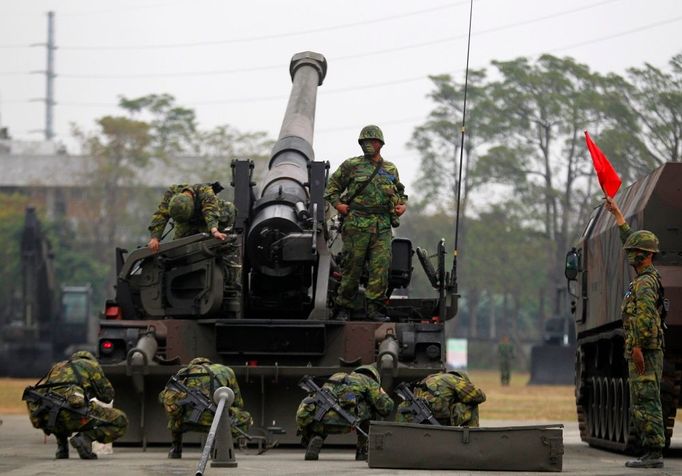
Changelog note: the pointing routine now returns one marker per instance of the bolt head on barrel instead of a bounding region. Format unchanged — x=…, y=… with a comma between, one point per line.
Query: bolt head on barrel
x=223, y=392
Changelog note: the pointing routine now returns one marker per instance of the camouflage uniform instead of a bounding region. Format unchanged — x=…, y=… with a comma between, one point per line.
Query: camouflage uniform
x=207, y=377
x=505, y=352
x=642, y=326
x=209, y=212
x=358, y=394
x=366, y=230
x=79, y=380
x=452, y=397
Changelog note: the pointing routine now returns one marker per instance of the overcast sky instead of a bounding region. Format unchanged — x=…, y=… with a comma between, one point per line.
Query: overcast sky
x=228, y=60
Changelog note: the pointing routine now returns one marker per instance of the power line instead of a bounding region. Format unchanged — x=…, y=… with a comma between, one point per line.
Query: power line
x=270, y=36
x=253, y=38
x=386, y=83
x=339, y=58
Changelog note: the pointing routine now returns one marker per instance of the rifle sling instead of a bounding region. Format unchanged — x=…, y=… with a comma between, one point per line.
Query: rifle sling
x=365, y=184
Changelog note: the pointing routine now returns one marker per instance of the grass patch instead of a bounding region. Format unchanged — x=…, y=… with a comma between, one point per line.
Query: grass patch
x=11, y=390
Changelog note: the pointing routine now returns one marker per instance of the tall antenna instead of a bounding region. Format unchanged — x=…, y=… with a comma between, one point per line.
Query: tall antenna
x=453, y=273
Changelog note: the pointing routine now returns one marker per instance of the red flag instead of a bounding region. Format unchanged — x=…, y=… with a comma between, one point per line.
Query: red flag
x=608, y=178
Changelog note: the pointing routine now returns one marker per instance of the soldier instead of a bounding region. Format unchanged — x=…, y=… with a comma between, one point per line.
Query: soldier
x=63, y=405
x=194, y=209
x=367, y=193
x=360, y=394
x=640, y=311
x=451, y=396
x=205, y=376
x=505, y=352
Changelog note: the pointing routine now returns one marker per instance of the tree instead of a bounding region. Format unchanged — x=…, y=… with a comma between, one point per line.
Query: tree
x=541, y=110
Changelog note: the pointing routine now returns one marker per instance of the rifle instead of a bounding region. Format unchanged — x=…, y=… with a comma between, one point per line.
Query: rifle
x=325, y=401
x=199, y=403
x=54, y=403
x=418, y=407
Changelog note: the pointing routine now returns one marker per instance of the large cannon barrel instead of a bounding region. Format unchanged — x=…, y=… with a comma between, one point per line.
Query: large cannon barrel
x=281, y=207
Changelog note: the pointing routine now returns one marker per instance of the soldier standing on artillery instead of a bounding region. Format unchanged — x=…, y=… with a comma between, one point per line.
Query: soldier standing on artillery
x=360, y=394
x=641, y=312
x=451, y=396
x=367, y=193
x=62, y=405
x=203, y=376
x=194, y=209
x=505, y=352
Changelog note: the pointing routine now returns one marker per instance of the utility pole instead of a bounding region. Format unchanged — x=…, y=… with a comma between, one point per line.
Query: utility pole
x=49, y=76
x=49, y=96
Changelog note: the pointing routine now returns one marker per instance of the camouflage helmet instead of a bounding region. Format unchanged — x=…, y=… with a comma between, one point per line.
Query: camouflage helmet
x=199, y=361
x=370, y=370
x=83, y=354
x=371, y=132
x=459, y=373
x=642, y=240
x=181, y=207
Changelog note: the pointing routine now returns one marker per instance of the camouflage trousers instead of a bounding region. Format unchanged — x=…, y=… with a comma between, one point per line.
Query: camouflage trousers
x=359, y=246
x=505, y=372
x=460, y=415
x=645, y=400
x=102, y=424
x=240, y=419
x=331, y=424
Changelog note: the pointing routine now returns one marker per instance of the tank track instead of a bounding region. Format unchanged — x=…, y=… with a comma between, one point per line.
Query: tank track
x=603, y=403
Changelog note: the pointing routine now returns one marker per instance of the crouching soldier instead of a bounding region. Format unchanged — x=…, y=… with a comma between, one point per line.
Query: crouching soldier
x=188, y=401
x=358, y=396
x=62, y=405
x=451, y=397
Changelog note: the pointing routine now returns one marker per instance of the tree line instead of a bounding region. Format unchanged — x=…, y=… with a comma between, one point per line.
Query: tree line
x=526, y=188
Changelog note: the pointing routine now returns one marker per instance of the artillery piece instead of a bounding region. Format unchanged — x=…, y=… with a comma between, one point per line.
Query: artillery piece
x=274, y=325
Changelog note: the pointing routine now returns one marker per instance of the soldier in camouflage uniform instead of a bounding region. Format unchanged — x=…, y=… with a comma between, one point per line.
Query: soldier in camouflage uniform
x=360, y=394
x=194, y=209
x=451, y=396
x=206, y=376
x=370, y=205
x=640, y=311
x=78, y=380
x=505, y=352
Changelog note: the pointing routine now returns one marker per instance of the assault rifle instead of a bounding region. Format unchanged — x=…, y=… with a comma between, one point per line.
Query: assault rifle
x=325, y=401
x=199, y=403
x=54, y=403
x=418, y=407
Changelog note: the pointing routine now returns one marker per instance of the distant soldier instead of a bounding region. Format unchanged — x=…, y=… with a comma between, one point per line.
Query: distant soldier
x=62, y=405
x=505, y=353
x=203, y=376
x=641, y=312
x=360, y=394
x=367, y=193
x=194, y=209
x=451, y=396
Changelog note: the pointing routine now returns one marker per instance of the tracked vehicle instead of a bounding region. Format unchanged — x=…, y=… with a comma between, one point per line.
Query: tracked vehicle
x=598, y=278
x=276, y=324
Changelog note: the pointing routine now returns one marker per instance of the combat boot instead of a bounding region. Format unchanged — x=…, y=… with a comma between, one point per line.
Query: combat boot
x=83, y=444
x=176, y=446
x=375, y=313
x=312, y=453
x=650, y=459
x=342, y=314
x=361, y=453
x=62, y=447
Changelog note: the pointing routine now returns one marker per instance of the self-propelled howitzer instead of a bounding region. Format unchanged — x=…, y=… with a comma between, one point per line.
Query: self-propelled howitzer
x=259, y=301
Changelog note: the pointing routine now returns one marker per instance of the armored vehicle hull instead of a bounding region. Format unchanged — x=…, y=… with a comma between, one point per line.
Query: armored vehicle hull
x=602, y=398
x=259, y=302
